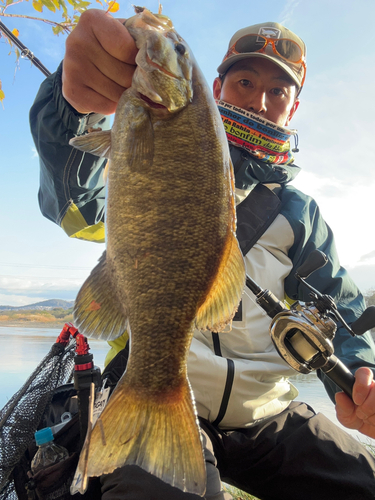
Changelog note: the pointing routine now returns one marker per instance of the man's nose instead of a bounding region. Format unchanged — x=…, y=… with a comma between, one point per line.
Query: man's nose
x=257, y=103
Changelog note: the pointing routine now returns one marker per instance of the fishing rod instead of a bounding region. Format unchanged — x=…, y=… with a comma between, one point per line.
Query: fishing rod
x=303, y=335
x=25, y=52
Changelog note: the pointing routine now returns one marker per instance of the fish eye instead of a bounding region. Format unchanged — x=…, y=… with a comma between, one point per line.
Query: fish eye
x=181, y=49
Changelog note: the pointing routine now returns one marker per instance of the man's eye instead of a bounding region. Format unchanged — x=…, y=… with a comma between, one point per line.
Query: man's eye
x=245, y=82
x=278, y=91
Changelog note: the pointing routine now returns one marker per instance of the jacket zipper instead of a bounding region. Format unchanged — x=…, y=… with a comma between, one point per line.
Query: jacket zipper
x=229, y=380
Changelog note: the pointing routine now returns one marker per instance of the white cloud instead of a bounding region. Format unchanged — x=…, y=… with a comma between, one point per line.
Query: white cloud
x=335, y=124
x=21, y=283
x=363, y=276
x=347, y=210
x=7, y=299
x=368, y=256
x=287, y=12
x=16, y=291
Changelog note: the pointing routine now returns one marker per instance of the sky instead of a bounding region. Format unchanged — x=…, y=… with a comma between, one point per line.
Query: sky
x=334, y=121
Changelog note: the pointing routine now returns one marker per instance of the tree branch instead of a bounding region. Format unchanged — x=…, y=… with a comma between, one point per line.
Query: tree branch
x=66, y=28
x=14, y=3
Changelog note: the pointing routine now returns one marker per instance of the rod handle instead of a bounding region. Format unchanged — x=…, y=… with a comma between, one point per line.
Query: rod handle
x=340, y=374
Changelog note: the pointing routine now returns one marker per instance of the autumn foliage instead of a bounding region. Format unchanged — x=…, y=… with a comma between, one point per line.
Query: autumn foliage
x=61, y=15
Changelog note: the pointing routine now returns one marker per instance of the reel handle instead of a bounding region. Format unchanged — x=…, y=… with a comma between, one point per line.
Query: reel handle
x=315, y=261
x=365, y=322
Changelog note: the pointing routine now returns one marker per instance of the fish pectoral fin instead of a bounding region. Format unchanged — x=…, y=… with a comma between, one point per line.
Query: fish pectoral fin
x=161, y=435
x=224, y=296
x=96, y=143
x=97, y=312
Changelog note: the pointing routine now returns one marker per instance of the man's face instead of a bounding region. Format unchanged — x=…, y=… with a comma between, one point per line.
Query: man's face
x=260, y=86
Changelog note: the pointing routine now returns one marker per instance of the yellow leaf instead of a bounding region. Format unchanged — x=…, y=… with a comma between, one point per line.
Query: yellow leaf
x=2, y=95
x=15, y=32
x=113, y=7
x=37, y=6
x=50, y=6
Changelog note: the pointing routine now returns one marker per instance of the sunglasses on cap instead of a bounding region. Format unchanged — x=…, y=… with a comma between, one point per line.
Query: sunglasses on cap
x=284, y=48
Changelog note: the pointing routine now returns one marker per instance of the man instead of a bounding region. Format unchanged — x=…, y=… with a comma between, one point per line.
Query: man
x=255, y=434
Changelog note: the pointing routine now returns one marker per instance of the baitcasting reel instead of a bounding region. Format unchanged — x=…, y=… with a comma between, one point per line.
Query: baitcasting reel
x=304, y=333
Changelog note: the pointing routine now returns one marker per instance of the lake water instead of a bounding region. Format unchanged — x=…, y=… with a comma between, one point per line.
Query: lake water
x=22, y=349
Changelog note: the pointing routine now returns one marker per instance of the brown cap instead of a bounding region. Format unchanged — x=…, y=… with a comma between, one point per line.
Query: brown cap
x=290, y=54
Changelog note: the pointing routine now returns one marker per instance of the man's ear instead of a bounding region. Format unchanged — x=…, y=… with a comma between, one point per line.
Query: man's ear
x=292, y=111
x=217, y=88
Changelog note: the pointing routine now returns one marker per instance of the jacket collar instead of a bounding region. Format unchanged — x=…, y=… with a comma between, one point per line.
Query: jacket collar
x=249, y=170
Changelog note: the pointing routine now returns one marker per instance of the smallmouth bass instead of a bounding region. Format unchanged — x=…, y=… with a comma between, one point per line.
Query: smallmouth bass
x=172, y=261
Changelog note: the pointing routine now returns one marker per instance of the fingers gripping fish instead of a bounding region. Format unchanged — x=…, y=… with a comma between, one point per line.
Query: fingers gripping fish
x=172, y=261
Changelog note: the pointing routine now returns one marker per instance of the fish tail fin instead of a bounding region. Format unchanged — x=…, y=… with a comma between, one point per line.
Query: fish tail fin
x=159, y=434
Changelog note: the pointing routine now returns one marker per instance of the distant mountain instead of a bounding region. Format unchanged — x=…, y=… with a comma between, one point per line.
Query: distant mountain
x=44, y=305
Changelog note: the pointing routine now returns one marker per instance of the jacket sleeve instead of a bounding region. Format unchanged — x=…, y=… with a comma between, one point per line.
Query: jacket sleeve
x=72, y=189
x=311, y=232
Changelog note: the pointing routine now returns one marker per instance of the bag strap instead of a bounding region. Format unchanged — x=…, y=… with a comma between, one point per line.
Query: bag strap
x=255, y=214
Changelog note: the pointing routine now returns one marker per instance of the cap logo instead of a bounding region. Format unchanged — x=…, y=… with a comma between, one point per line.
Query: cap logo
x=269, y=32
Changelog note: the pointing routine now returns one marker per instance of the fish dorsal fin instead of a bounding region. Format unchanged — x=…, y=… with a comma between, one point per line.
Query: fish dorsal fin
x=225, y=294
x=97, y=143
x=97, y=312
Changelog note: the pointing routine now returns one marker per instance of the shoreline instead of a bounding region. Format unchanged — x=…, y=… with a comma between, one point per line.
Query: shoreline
x=32, y=324
x=60, y=325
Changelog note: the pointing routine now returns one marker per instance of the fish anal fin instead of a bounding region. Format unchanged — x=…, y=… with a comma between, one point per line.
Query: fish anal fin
x=97, y=312
x=158, y=434
x=97, y=143
x=225, y=294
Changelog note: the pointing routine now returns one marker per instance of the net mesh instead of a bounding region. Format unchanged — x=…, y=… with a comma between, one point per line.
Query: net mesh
x=20, y=417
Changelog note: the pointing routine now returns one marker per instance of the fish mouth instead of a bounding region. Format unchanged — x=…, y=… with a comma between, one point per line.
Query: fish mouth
x=159, y=67
x=151, y=103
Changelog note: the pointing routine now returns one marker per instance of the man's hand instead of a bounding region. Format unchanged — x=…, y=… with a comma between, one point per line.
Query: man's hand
x=99, y=63
x=359, y=414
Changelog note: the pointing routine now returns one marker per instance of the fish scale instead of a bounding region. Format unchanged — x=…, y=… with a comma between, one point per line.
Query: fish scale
x=172, y=261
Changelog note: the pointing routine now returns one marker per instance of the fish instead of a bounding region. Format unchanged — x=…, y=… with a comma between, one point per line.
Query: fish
x=172, y=261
